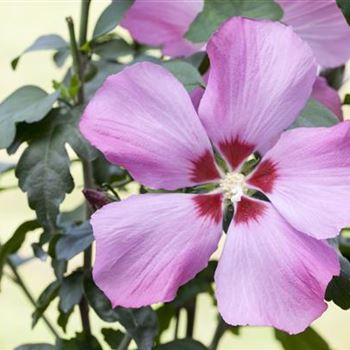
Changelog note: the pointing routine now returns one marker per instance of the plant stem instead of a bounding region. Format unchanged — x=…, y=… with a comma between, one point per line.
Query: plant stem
x=177, y=318
x=18, y=279
x=219, y=332
x=125, y=342
x=85, y=7
x=191, y=313
x=78, y=68
x=79, y=64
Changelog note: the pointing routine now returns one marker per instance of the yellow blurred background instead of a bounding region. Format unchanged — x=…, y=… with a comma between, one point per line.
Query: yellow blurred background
x=21, y=22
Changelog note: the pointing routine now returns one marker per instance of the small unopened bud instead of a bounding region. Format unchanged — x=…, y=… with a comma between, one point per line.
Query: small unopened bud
x=97, y=199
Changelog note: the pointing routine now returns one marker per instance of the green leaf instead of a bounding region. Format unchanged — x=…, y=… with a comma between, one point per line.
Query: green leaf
x=111, y=17
x=308, y=340
x=16, y=241
x=334, y=76
x=112, y=337
x=44, y=168
x=5, y=167
x=99, y=302
x=45, y=42
x=141, y=324
x=40, y=346
x=185, y=72
x=202, y=283
x=71, y=291
x=113, y=49
x=27, y=104
x=60, y=56
x=104, y=69
x=63, y=319
x=82, y=341
x=70, y=129
x=344, y=5
x=43, y=172
x=338, y=290
x=44, y=300
x=217, y=11
x=182, y=344
x=73, y=217
x=346, y=99
x=315, y=115
x=75, y=240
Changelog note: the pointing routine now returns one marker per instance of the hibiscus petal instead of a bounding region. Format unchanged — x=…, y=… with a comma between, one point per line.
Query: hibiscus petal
x=163, y=23
x=260, y=78
x=328, y=96
x=306, y=177
x=143, y=119
x=149, y=245
x=270, y=274
x=322, y=25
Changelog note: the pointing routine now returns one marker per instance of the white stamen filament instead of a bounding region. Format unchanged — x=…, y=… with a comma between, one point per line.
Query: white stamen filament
x=233, y=186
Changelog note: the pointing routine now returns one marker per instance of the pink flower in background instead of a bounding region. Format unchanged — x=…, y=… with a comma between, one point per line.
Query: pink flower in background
x=328, y=96
x=276, y=264
x=164, y=23
x=322, y=24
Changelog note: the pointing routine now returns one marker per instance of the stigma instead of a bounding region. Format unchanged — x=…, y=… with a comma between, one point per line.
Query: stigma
x=233, y=186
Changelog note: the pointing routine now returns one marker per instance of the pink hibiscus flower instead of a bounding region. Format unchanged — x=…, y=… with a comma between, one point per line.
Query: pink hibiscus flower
x=164, y=23
x=275, y=264
x=322, y=24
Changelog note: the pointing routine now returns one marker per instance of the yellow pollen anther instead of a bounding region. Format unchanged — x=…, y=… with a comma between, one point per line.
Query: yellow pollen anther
x=233, y=186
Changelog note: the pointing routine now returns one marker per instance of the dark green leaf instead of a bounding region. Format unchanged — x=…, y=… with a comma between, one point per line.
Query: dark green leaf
x=75, y=240
x=112, y=337
x=111, y=17
x=165, y=313
x=82, y=341
x=334, y=76
x=60, y=57
x=40, y=346
x=44, y=167
x=202, y=283
x=63, y=319
x=43, y=171
x=347, y=99
x=182, y=344
x=45, y=42
x=39, y=252
x=71, y=291
x=217, y=11
x=59, y=267
x=104, y=69
x=344, y=5
x=16, y=241
x=113, y=49
x=5, y=167
x=44, y=300
x=27, y=104
x=141, y=324
x=73, y=217
x=338, y=290
x=99, y=302
x=185, y=72
x=70, y=130
x=315, y=115
x=308, y=340
x=105, y=172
